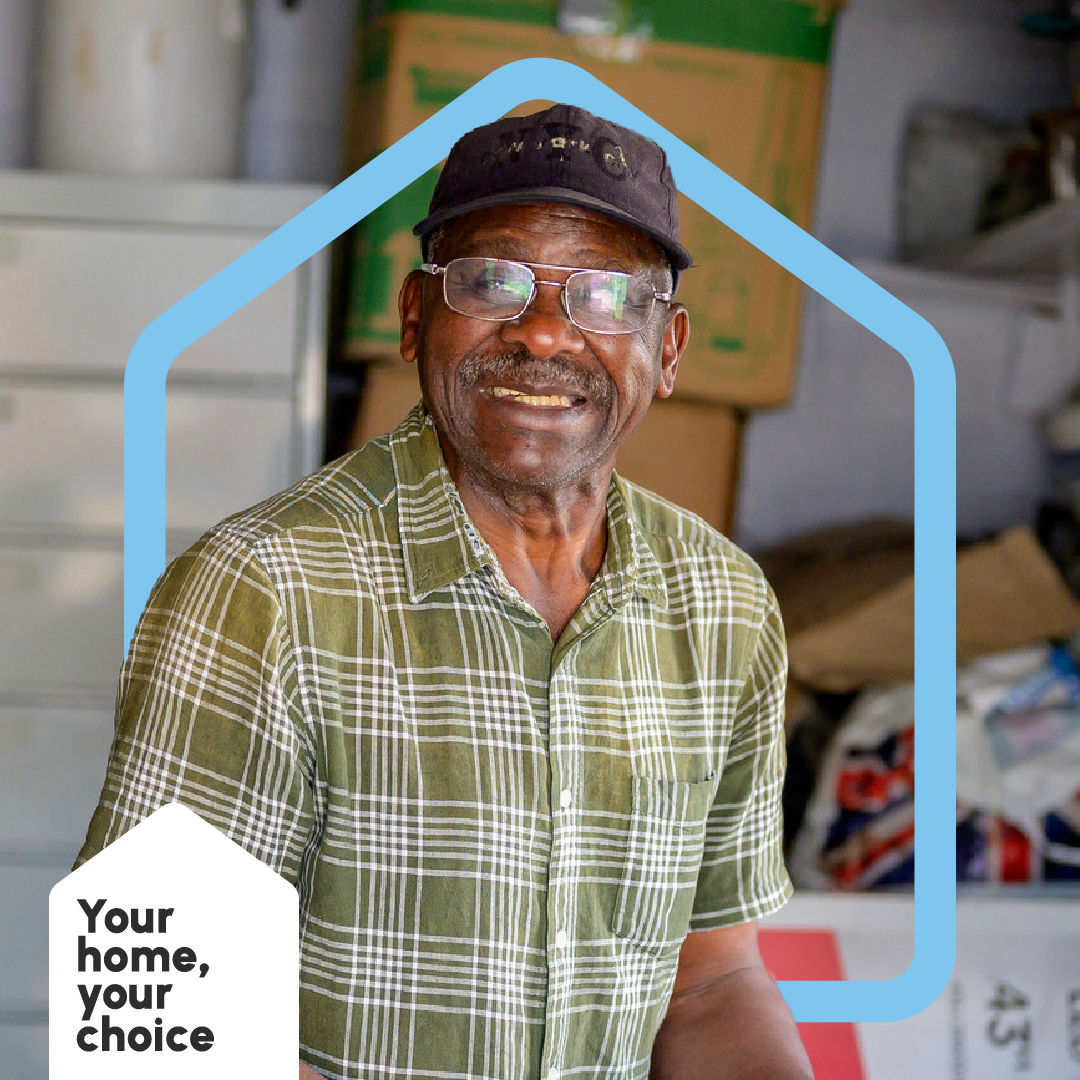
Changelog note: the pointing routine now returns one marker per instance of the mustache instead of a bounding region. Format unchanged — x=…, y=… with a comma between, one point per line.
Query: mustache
x=520, y=364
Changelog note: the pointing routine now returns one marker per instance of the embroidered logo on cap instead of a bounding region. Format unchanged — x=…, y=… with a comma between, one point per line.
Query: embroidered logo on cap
x=561, y=140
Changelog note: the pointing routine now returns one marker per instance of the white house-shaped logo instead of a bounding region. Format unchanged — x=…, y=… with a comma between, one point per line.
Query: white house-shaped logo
x=173, y=953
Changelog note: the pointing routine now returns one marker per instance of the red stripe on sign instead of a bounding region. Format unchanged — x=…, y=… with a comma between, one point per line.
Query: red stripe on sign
x=815, y=954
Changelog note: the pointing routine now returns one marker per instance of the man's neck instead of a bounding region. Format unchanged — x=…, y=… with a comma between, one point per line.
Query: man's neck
x=549, y=543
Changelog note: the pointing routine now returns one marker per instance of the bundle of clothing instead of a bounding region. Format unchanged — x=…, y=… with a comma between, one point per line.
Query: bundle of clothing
x=1018, y=781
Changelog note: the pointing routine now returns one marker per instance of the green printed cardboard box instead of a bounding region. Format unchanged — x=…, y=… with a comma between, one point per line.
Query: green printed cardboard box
x=742, y=81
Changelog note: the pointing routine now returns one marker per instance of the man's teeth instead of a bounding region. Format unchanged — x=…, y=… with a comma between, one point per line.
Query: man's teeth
x=532, y=399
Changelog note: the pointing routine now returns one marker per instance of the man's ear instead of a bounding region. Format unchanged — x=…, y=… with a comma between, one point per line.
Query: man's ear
x=676, y=337
x=411, y=313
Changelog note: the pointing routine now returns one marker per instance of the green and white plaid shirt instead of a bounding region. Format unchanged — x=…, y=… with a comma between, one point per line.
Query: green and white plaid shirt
x=499, y=843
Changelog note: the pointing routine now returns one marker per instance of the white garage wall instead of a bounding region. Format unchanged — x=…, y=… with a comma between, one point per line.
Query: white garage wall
x=843, y=448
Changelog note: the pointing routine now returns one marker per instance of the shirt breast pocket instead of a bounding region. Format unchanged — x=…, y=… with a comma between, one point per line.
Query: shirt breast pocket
x=664, y=850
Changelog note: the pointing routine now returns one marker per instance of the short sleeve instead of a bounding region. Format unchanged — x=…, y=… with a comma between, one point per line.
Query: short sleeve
x=207, y=712
x=742, y=873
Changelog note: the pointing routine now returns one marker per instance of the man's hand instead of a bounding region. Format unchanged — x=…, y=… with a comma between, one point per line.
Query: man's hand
x=727, y=1020
x=308, y=1073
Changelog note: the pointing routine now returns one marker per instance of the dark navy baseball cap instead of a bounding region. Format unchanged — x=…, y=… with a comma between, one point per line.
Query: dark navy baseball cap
x=563, y=154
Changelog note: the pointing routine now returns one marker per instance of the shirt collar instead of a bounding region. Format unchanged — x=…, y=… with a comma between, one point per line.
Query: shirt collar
x=441, y=545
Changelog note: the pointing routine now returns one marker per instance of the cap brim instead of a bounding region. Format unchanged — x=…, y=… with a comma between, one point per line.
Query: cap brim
x=679, y=256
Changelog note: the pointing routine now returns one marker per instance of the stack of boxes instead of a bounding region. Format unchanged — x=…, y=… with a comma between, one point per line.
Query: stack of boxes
x=741, y=81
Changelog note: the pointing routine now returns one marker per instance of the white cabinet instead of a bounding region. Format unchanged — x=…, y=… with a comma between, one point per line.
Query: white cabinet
x=68, y=746
x=62, y=455
x=85, y=265
x=140, y=273
x=60, y=638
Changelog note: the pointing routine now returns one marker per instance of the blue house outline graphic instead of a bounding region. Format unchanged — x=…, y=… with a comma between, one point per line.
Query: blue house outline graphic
x=780, y=239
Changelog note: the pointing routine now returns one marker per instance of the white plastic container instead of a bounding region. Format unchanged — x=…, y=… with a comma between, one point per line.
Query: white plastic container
x=15, y=45
x=300, y=51
x=142, y=87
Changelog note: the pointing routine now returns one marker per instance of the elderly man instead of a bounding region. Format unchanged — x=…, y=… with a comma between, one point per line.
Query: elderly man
x=512, y=725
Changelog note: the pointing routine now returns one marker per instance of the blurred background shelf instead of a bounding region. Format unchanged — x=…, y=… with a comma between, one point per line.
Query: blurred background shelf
x=1041, y=244
x=946, y=282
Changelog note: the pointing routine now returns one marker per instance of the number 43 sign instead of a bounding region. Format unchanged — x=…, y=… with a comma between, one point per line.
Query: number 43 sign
x=1027, y=1025
x=1009, y=1025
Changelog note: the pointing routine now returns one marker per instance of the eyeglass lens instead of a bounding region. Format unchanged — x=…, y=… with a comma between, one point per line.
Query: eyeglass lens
x=498, y=289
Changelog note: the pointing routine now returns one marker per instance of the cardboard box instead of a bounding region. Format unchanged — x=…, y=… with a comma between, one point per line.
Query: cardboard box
x=687, y=452
x=1009, y=595
x=742, y=81
x=830, y=572
x=390, y=391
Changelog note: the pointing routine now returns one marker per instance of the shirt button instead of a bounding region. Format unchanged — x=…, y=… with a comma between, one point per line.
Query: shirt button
x=566, y=798
x=561, y=938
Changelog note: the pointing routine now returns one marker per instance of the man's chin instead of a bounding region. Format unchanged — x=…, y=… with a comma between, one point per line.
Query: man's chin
x=540, y=473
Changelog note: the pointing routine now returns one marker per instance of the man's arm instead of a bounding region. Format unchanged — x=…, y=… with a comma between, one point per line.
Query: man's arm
x=208, y=712
x=727, y=1020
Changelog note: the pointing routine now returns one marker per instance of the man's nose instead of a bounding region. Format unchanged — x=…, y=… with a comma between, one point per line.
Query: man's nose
x=544, y=328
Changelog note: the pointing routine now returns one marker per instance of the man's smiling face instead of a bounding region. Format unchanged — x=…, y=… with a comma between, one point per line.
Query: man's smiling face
x=481, y=380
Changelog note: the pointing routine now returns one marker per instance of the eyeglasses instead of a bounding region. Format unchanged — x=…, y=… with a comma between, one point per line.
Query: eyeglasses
x=499, y=290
